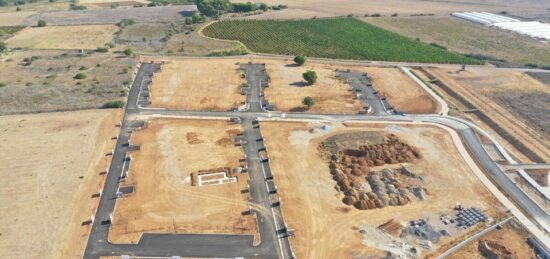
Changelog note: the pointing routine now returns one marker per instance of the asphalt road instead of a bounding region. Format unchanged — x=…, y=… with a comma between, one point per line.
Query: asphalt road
x=367, y=94
x=274, y=241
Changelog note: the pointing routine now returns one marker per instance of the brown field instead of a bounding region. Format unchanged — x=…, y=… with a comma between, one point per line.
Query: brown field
x=316, y=211
x=514, y=238
x=311, y=8
x=198, y=84
x=52, y=163
x=63, y=37
x=402, y=92
x=516, y=101
x=287, y=89
x=164, y=200
x=13, y=19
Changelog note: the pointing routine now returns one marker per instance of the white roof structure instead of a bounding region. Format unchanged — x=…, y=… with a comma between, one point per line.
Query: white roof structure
x=533, y=29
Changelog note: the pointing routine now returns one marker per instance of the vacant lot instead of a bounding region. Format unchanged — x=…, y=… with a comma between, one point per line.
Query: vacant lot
x=45, y=82
x=515, y=101
x=342, y=38
x=113, y=16
x=50, y=167
x=469, y=38
x=164, y=200
x=512, y=238
x=63, y=37
x=402, y=91
x=287, y=89
x=13, y=19
x=198, y=84
x=310, y=8
x=314, y=209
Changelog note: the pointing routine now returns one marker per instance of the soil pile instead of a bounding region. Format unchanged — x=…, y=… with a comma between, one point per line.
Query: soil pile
x=393, y=151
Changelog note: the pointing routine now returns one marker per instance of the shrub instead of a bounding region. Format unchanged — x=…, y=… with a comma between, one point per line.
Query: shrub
x=113, y=104
x=3, y=46
x=308, y=102
x=52, y=76
x=83, y=68
x=102, y=50
x=128, y=52
x=310, y=77
x=80, y=76
x=126, y=22
x=299, y=60
x=42, y=23
x=77, y=7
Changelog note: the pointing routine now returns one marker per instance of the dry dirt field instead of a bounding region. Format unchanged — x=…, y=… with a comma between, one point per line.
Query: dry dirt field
x=516, y=101
x=47, y=84
x=198, y=84
x=52, y=163
x=310, y=8
x=164, y=199
x=63, y=37
x=513, y=238
x=287, y=89
x=402, y=91
x=13, y=19
x=316, y=211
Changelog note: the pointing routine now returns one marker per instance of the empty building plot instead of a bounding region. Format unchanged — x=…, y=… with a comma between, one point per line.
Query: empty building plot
x=199, y=84
x=63, y=37
x=314, y=207
x=186, y=179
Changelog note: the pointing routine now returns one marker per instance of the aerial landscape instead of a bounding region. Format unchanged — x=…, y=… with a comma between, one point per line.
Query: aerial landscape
x=275, y=129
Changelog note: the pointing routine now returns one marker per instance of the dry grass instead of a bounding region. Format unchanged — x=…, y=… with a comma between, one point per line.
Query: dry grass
x=164, y=200
x=63, y=37
x=198, y=84
x=14, y=19
x=316, y=212
x=50, y=164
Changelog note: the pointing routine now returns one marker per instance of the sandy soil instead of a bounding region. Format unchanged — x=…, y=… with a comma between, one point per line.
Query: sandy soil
x=52, y=163
x=511, y=237
x=515, y=100
x=15, y=18
x=287, y=89
x=402, y=92
x=198, y=84
x=63, y=37
x=310, y=8
x=324, y=227
x=164, y=200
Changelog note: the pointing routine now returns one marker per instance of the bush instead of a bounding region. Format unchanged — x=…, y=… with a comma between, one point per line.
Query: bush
x=102, y=50
x=126, y=22
x=113, y=104
x=3, y=46
x=308, y=102
x=213, y=8
x=77, y=7
x=299, y=60
x=128, y=52
x=82, y=68
x=42, y=23
x=310, y=77
x=80, y=76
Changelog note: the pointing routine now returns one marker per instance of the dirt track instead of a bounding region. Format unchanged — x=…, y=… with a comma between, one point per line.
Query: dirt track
x=316, y=211
x=52, y=163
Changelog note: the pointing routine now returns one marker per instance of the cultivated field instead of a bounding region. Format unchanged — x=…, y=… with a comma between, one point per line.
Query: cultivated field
x=402, y=91
x=13, y=19
x=198, y=84
x=342, y=38
x=515, y=101
x=50, y=166
x=469, y=38
x=63, y=37
x=287, y=89
x=316, y=212
x=164, y=201
x=45, y=82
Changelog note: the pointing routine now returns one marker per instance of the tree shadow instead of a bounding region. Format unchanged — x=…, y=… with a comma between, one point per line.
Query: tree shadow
x=292, y=65
x=298, y=109
x=299, y=84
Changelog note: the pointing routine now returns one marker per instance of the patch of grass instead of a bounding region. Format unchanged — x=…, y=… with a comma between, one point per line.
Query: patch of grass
x=7, y=31
x=340, y=38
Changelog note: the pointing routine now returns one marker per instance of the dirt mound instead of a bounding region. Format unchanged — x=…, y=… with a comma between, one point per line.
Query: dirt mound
x=493, y=250
x=391, y=152
x=193, y=138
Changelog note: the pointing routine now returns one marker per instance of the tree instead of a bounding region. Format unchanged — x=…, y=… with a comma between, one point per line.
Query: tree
x=310, y=77
x=128, y=52
x=308, y=102
x=213, y=8
x=3, y=46
x=80, y=76
x=299, y=60
x=42, y=23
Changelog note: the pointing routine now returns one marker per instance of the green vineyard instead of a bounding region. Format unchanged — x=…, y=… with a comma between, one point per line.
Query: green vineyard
x=341, y=38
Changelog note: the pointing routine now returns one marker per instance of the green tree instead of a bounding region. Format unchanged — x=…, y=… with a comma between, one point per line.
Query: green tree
x=80, y=76
x=128, y=52
x=213, y=8
x=310, y=77
x=3, y=46
x=42, y=23
x=299, y=60
x=308, y=102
